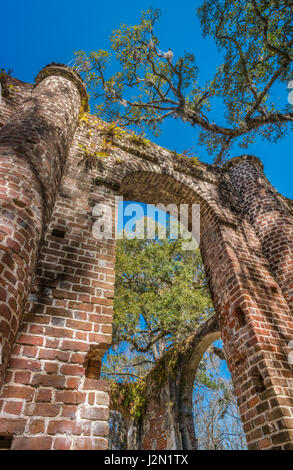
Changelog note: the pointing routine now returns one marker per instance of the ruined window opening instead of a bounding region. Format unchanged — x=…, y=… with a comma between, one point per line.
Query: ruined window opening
x=5, y=442
x=58, y=233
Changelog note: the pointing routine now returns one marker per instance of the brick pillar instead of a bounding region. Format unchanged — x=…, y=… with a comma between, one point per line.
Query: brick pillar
x=33, y=148
x=270, y=216
x=256, y=328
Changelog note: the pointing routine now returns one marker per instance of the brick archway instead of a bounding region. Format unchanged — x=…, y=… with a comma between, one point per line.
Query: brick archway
x=56, y=279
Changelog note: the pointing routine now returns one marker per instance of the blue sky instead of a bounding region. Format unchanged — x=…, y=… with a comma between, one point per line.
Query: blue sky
x=35, y=33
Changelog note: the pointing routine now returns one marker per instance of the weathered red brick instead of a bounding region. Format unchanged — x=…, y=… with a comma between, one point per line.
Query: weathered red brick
x=11, y=426
x=32, y=443
x=94, y=413
x=73, y=370
x=70, y=397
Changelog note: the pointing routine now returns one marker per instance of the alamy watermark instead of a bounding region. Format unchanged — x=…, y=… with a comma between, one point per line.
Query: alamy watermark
x=159, y=222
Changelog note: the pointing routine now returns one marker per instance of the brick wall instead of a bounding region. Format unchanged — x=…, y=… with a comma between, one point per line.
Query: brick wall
x=57, y=279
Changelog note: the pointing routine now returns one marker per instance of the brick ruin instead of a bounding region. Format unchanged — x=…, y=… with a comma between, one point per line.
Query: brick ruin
x=57, y=280
x=166, y=420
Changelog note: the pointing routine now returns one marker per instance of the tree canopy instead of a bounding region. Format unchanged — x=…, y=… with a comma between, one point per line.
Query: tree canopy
x=150, y=85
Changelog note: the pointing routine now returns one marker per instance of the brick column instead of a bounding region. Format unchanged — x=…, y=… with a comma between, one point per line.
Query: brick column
x=256, y=328
x=270, y=216
x=33, y=148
